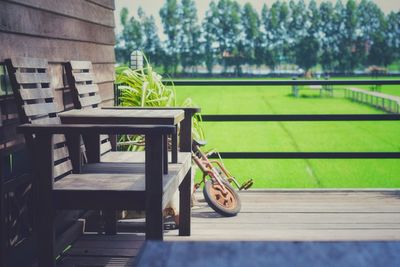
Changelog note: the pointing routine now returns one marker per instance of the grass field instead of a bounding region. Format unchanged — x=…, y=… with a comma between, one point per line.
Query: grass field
x=298, y=136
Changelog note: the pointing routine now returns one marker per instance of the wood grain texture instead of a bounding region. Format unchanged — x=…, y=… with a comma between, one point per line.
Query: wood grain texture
x=83, y=10
x=51, y=25
x=53, y=50
x=296, y=215
x=105, y=116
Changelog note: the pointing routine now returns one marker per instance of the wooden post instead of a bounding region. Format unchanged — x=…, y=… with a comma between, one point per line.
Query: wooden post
x=44, y=206
x=165, y=151
x=92, y=143
x=110, y=222
x=174, y=141
x=74, y=148
x=154, y=186
x=185, y=186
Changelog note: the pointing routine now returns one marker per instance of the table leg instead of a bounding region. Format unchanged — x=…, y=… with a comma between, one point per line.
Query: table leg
x=174, y=141
x=92, y=144
x=165, y=152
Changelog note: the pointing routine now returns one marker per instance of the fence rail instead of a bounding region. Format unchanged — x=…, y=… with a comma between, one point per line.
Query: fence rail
x=296, y=117
x=233, y=82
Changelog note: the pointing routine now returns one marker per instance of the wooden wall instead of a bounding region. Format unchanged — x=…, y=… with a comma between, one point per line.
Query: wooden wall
x=58, y=30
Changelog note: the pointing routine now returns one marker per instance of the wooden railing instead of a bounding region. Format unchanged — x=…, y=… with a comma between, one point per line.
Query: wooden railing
x=296, y=117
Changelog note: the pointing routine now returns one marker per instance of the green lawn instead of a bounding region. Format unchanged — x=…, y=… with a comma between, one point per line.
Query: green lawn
x=298, y=136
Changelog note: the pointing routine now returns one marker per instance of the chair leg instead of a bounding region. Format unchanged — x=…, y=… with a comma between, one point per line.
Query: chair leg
x=110, y=219
x=184, y=205
x=46, y=237
x=154, y=190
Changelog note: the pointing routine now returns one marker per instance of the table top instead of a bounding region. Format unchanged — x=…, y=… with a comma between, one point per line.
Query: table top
x=122, y=116
x=280, y=254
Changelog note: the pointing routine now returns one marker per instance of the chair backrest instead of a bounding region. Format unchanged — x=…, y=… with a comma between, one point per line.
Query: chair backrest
x=85, y=92
x=80, y=78
x=34, y=96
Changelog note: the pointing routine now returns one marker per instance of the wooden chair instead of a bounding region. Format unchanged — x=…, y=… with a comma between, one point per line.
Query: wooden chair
x=85, y=94
x=141, y=186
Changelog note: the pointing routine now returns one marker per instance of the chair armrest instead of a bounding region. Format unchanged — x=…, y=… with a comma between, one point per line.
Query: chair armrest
x=188, y=110
x=95, y=129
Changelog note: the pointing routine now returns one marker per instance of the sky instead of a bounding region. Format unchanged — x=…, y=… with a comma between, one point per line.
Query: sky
x=152, y=7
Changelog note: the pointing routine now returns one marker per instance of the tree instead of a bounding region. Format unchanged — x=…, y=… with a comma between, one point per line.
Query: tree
x=309, y=44
x=305, y=52
x=393, y=34
x=278, y=31
x=297, y=26
x=349, y=44
x=170, y=18
x=151, y=41
x=251, y=29
x=329, y=35
x=190, y=53
x=265, y=46
x=230, y=35
x=210, y=33
x=131, y=37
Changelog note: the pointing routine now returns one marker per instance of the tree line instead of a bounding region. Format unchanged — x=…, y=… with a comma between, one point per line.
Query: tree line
x=340, y=37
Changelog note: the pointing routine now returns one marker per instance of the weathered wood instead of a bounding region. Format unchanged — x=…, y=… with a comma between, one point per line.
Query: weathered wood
x=43, y=93
x=39, y=109
x=154, y=194
x=90, y=101
x=86, y=11
x=116, y=252
x=136, y=116
x=105, y=3
x=185, y=212
x=26, y=78
x=105, y=147
x=62, y=168
x=83, y=77
x=96, y=129
x=60, y=153
x=54, y=50
x=87, y=88
x=44, y=210
x=33, y=63
x=81, y=65
x=32, y=20
x=303, y=215
x=96, y=261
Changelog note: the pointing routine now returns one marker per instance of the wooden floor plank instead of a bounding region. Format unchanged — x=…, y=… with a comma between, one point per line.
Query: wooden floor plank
x=266, y=215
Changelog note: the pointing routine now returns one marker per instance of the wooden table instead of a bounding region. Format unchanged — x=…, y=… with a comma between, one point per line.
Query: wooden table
x=124, y=117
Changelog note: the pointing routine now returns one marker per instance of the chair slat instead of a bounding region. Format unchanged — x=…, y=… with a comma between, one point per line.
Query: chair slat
x=90, y=100
x=39, y=109
x=29, y=63
x=83, y=77
x=87, y=89
x=28, y=78
x=47, y=120
x=105, y=147
x=60, y=153
x=62, y=168
x=31, y=94
x=103, y=137
x=81, y=65
x=58, y=139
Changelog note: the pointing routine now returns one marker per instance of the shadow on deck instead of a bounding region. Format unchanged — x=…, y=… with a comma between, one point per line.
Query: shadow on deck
x=267, y=215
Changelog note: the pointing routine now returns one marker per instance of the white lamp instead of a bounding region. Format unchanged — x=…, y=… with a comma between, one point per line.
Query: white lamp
x=136, y=60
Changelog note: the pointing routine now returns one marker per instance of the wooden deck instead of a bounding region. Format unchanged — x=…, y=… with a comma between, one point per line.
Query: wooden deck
x=267, y=215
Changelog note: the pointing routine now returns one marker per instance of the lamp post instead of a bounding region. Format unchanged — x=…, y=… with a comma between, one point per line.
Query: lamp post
x=136, y=60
